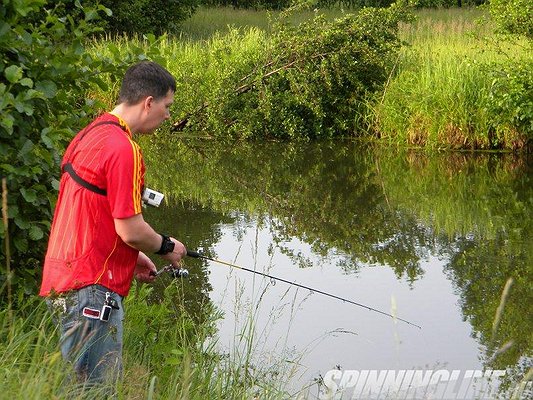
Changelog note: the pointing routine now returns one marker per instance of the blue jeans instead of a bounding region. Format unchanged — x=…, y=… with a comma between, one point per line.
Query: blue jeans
x=94, y=347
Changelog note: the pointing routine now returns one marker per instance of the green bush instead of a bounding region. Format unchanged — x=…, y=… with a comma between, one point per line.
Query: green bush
x=45, y=74
x=511, y=94
x=513, y=16
x=127, y=16
x=148, y=16
x=511, y=99
x=313, y=81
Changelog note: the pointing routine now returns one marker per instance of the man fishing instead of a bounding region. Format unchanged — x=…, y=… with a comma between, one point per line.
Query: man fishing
x=99, y=238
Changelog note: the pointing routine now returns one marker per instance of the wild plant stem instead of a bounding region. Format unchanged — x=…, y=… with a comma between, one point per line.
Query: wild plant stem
x=8, y=251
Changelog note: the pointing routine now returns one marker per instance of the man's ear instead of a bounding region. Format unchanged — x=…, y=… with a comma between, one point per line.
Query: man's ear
x=148, y=103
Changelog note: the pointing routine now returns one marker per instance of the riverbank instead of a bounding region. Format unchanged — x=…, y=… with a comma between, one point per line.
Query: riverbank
x=168, y=354
x=453, y=85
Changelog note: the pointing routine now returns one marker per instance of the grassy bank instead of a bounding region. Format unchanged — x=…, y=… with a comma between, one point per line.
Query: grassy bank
x=443, y=92
x=166, y=356
x=454, y=85
x=287, y=84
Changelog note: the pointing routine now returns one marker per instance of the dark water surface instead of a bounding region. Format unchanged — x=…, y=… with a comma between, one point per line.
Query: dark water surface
x=432, y=239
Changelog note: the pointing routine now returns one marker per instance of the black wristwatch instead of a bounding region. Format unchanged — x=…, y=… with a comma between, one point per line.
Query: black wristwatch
x=167, y=246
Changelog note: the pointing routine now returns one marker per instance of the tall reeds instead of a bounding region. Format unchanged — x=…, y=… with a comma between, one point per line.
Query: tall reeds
x=172, y=359
x=202, y=68
x=440, y=96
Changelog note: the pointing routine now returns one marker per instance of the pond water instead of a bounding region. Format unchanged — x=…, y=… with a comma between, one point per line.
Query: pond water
x=430, y=239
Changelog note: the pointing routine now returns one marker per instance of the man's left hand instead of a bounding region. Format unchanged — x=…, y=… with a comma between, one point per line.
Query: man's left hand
x=145, y=269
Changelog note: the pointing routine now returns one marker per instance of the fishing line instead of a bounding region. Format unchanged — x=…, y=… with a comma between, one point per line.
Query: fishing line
x=195, y=254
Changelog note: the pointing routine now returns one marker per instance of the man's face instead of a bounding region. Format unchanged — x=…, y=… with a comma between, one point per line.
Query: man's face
x=157, y=112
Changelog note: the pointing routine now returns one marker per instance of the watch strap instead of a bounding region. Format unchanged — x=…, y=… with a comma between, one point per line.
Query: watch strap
x=167, y=245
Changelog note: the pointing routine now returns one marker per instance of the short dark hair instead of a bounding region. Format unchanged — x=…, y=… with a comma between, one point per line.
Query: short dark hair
x=144, y=79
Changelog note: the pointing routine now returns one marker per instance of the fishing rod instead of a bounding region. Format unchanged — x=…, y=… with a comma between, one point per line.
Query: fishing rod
x=195, y=254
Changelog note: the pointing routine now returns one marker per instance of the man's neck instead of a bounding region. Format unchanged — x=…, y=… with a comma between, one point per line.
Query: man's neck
x=129, y=114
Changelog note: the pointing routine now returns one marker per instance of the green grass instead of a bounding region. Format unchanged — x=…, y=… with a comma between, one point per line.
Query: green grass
x=201, y=68
x=444, y=23
x=438, y=96
x=166, y=356
x=430, y=24
x=207, y=22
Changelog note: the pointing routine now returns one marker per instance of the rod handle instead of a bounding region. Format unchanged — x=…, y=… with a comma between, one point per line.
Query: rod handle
x=193, y=254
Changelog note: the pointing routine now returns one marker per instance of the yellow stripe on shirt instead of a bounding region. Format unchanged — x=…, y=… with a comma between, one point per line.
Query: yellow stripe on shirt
x=106, y=261
x=136, y=192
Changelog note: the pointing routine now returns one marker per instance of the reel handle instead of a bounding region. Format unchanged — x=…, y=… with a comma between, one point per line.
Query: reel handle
x=193, y=254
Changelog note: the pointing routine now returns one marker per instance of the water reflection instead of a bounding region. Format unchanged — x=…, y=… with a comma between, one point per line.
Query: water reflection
x=458, y=225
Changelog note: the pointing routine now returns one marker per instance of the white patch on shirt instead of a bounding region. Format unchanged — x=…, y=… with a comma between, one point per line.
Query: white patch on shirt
x=110, y=275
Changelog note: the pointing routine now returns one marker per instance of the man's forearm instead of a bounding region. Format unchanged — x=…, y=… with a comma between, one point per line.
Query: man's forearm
x=137, y=233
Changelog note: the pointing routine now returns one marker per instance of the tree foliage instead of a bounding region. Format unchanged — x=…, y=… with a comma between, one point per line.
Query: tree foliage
x=129, y=17
x=45, y=75
x=148, y=16
x=511, y=97
x=351, y=4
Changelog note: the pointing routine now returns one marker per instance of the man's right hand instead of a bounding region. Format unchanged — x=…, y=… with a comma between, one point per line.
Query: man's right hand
x=177, y=254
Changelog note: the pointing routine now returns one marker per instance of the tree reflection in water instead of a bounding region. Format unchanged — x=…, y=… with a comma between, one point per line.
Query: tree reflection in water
x=374, y=206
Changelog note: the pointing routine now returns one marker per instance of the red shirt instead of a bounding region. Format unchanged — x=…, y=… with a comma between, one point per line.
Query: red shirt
x=84, y=247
